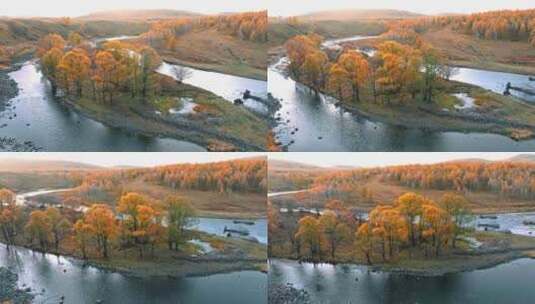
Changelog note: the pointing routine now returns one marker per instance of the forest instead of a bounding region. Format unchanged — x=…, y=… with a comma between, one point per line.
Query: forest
x=412, y=224
x=507, y=179
x=508, y=25
x=242, y=176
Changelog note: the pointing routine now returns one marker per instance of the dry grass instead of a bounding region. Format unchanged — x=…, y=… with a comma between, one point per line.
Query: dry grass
x=212, y=50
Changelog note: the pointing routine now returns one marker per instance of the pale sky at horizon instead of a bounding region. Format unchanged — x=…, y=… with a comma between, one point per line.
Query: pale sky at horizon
x=142, y=159
x=75, y=8
x=378, y=159
x=299, y=7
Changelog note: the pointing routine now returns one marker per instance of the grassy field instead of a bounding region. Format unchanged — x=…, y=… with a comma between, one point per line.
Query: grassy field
x=216, y=124
x=280, y=31
x=468, y=51
x=386, y=193
x=13, y=31
x=207, y=203
x=212, y=50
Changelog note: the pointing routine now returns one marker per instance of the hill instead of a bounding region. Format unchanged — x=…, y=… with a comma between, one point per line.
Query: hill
x=359, y=14
x=138, y=15
x=523, y=158
x=23, y=165
x=285, y=165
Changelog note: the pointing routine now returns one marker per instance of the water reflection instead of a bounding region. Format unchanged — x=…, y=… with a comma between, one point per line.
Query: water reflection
x=59, y=276
x=37, y=117
x=506, y=283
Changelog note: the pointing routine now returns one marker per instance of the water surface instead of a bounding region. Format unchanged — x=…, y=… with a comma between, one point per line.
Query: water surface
x=36, y=116
x=60, y=276
x=506, y=283
x=309, y=122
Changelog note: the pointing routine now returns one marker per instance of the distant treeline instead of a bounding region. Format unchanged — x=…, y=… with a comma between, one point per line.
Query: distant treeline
x=245, y=175
x=510, y=25
x=513, y=179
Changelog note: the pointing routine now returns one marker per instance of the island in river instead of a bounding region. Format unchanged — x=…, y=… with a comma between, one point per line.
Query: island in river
x=342, y=238
x=465, y=109
x=163, y=112
x=68, y=230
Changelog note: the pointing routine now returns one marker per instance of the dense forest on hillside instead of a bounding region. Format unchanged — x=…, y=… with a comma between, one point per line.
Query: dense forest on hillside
x=513, y=179
x=509, y=25
x=245, y=176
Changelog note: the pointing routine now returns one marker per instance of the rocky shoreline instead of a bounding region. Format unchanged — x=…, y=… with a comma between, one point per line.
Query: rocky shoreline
x=9, y=290
x=287, y=294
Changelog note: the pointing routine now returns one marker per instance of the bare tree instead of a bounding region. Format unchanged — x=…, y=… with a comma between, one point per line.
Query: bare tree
x=180, y=73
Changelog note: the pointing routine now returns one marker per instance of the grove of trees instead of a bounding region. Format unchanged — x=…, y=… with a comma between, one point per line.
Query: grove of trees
x=412, y=223
x=79, y=69
x=137, y=223
x=398, y=69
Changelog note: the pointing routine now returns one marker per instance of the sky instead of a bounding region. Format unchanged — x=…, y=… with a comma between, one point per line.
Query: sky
x=140, y=159
x=298, y=7
x=74, y=8
x=376, y=159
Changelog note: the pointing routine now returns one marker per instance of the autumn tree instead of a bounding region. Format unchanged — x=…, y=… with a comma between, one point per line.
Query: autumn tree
x=437, y=226
x=149, y=230
x=75, y=67
x=400, y=67
x=179, y=215
x=314, y=70
x=50, y=66
x=10, y=216
x=149, y=61
x=297, y=48
x=338, y=80
x=39, y=229
x=49, y=42
x=357, y=69
x=334, y=232
x=83, y=233
x=458, y=208
x=364, y=241
x=109, y=72
x=309, y=234
x=102, y=226
x=59, y=225
x=410, y=207
x=75, y=39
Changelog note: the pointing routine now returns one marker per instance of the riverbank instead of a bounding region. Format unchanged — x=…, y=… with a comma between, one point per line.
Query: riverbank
x=215, y=123
x=495, y=248
x=490, y=112
x=213, y=51
x=226, y=255
x=10, y=291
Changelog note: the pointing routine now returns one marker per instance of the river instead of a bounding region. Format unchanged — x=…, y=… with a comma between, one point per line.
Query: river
x=91, y=284
x=60, y=276
x=229, y=87
x=315, y=123
x=36, y=116
x=506, y=283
